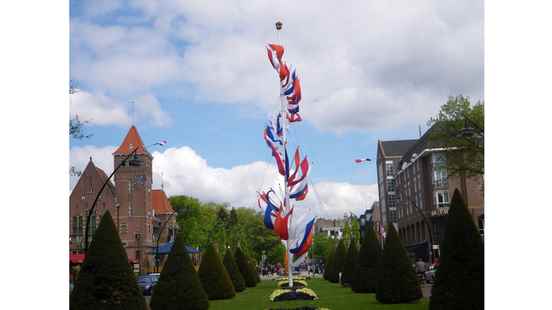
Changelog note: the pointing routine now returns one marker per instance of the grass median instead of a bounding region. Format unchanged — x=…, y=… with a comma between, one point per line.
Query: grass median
x=331, y=296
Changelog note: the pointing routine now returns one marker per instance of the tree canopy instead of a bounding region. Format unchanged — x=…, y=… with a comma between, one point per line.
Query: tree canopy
x=203, y=223
x=460, y=124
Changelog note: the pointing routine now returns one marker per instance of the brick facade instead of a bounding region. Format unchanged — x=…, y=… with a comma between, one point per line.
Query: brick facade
x=129, y=201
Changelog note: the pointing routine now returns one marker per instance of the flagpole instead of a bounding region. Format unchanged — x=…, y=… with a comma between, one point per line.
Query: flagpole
x=287, y=206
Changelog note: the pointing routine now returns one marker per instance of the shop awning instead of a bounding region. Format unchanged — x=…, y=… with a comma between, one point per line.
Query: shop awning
x=76, y=258
x=79, y=259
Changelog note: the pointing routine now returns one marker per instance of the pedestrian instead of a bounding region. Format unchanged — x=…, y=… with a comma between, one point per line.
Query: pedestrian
x=421, y=267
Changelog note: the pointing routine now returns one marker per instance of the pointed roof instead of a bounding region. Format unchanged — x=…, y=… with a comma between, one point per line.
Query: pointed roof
x=160, y=203
x=131, y=141
x=92, y=171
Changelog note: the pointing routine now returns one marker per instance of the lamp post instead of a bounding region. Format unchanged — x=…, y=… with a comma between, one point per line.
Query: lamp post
x=429, y=230
x=134, y=162
x=157, y=260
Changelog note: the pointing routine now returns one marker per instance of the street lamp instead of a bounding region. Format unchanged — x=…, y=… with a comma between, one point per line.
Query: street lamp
x=157, y=259
x=429, y=230
x=135, y=162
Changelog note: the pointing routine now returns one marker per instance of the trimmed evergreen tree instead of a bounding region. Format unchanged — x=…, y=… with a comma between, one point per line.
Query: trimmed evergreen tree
x=245, y=268
x=214, y=276
x=459, y=280
x=329, y=264
x=339, y=259
x=179, y=287
x=397, y=280
x=106, y=280
x=255, y=271
x=365, y=275
x=350, y=264
x=234, y=272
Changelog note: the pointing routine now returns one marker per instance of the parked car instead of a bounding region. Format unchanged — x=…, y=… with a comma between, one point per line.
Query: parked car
x=146, y=283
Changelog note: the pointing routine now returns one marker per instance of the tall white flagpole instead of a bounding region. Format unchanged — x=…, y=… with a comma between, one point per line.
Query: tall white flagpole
x=287, y=205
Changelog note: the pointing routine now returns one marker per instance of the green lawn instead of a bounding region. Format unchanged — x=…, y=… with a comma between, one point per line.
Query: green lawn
x=332, y=296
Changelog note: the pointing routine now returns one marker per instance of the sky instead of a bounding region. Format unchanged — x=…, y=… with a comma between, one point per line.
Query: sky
x=196, y=74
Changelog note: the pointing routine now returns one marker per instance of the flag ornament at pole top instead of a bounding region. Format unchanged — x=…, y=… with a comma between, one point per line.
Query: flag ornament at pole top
x=279, y=25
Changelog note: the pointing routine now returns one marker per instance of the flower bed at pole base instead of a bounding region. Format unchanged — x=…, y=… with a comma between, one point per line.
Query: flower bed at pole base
x=296, y=284
x=300, y=308
x=294, y=278
x=293, y=294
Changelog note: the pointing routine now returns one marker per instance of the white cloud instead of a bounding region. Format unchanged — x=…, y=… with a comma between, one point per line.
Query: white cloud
x=186, y=172
x=99, y=109
x=148, y=107
x=364, y=64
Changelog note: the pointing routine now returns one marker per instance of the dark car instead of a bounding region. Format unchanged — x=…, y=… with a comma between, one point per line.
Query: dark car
x=146, y=283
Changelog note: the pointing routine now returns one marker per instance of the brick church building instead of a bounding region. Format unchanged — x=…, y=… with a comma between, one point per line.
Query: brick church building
x=139, y=212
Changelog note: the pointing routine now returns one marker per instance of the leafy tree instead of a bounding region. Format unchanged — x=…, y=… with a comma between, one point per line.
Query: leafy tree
x=397, y=280
x=459, y=280
x=350, y=264
x=339, y=259
x=106, y=280
x=179, y=287
x=214, y=276
x=365, y=275
x=321, y=246
x=203, y=223
x=234, y=272
x=448, y=130
x=276, y=254
x=245, y=268
x=329, y=271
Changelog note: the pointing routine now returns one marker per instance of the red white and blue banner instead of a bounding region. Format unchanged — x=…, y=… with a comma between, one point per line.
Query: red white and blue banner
x=296, y=225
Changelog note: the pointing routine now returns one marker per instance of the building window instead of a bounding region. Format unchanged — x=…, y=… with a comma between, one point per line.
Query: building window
x=441, y=199
x=389, y=168
x=390, y=185
x=75, y=225
x=92, y=229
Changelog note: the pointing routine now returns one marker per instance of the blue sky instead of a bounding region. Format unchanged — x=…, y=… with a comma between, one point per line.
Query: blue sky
x=199, y=77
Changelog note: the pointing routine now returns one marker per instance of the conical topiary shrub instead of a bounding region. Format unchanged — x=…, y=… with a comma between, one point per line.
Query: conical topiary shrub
x=234, y=272
x=365, y=275
x=350, y=264
x=214, y=277
x=397, y=281
x=339, y=259
x=106, y=280
x=179, y=287
x=255, y=271
x=459, y=279
x=329, y=270
x=245, y=268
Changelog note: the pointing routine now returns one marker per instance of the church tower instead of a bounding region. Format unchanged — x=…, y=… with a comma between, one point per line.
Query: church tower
x=133, y=187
